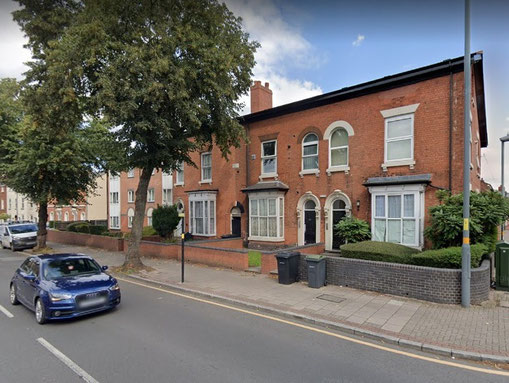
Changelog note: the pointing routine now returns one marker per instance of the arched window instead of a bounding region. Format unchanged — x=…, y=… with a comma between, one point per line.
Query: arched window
x=149, y=216
x=66, y=216
x=338, y=148
x=51, y=216
x=130, y=217
x=310, y=152
x=83, y=216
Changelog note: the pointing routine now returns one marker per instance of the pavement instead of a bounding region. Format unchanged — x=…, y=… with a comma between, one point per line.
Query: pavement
x=477, y=333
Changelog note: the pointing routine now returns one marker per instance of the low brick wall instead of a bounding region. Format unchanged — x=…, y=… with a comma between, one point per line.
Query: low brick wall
x=426, y=283
x=83, y=239
x=269, y=262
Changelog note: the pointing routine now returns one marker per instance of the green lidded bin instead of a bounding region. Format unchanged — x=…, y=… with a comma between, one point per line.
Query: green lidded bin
x=316, y=270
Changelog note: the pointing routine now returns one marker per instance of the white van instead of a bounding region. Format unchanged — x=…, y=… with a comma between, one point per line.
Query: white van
x=18, y=236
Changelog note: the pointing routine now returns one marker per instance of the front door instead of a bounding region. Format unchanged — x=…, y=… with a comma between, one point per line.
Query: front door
x=236, y=226
x=338, y=213
x=309, y=222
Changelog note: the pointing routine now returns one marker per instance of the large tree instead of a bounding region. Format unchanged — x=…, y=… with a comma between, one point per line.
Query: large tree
x=52, y=155
x=167, y=75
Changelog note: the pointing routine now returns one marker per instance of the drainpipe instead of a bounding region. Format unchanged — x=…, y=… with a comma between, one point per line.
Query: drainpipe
x=247, y=180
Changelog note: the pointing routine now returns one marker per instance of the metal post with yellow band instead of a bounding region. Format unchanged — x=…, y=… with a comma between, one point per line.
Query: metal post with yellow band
x=465, y=248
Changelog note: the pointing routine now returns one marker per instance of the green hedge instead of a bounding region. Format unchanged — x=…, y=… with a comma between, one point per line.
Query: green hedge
x=449, y=258
x=378, y=251
x=85, y=227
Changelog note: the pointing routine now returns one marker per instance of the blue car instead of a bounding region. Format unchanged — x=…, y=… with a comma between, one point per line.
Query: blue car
x=63, y=286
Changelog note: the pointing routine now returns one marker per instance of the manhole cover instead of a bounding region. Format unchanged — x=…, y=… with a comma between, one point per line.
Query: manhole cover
x=331, y=298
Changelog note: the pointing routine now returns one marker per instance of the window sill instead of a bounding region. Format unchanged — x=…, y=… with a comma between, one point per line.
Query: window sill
x=266, y=239
x=268, y=175
x=333, y=169
x=151, y=201
x=203, y=235
x=389, y=164
x=316, y=172
x=179, y=184
x=205, y=182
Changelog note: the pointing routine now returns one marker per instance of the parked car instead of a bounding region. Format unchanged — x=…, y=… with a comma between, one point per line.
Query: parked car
x=63, y=286
x=17, y=236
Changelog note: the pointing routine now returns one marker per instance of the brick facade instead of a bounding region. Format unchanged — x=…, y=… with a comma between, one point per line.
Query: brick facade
x=435, y=93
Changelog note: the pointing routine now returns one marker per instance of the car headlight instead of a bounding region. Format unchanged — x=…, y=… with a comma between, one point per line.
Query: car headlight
x=115, y=287
x=59, y=297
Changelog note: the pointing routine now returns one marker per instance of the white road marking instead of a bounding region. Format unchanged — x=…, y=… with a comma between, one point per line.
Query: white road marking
x=68, y=362
x=6, y=312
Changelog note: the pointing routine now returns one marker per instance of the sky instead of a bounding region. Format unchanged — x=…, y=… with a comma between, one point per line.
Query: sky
x=313, y=47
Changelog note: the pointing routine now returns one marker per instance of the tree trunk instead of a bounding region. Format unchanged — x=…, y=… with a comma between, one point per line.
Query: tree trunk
x=41, y=225
x=132, y=258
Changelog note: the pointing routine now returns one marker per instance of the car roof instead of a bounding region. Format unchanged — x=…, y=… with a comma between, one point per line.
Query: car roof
x=53, y=257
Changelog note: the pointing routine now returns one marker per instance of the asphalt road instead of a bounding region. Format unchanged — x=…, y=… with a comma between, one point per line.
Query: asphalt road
x=156, y=336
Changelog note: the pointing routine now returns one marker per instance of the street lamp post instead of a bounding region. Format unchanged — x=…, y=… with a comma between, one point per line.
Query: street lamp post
x=502, y=187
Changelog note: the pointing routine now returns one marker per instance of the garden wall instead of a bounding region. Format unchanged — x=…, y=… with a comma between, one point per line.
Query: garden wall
x=426, y=283
x=83, y=239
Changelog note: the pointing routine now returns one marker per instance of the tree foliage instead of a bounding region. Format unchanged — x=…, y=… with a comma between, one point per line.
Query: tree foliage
x=487, y=210
x=52, y=154
x=166, y=74
x=352, y=230
x=165, y=220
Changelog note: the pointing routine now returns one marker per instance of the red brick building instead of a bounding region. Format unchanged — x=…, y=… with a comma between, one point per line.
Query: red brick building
x=3, y=199
x=377, y=151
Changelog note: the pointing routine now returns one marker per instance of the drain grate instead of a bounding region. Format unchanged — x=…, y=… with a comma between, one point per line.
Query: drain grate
x=330, y=298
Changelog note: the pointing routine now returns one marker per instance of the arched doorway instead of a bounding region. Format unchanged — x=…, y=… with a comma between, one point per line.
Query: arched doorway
x=308, y=216
x=337, y=207
x=236, y=221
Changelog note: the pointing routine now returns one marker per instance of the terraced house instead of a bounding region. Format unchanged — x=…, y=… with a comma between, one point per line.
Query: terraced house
x=377, y=151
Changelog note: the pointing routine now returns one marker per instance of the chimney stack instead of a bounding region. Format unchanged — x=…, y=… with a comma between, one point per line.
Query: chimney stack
x=261, y=97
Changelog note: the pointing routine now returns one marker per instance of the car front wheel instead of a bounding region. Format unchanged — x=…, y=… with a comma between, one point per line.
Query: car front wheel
x=12, y=247
x=40, y=312
x=12, y=295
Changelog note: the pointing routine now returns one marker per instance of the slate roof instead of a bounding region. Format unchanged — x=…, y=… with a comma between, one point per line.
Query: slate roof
x=399, y=180
x=266, y=186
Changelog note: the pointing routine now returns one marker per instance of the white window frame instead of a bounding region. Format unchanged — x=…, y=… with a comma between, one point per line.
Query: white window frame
x=130, y=218
x=209, y=220
x=179, y=175
x=151, y=195
x=339, y=167
x=280, y=216
x=130, y=196
x=83, y=216
x=328, y=135
x=311, y=143
x=264, y=157
x=203, y=179
x=417, y=191
x=150, y=211
x=167, y=196
x=401, y=138
x=114, y=198
x=115, y=222
x=130, y=173
x=391, y=115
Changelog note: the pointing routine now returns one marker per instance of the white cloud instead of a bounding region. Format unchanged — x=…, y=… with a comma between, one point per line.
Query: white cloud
x=11, y=44
x=507, y=118
x=282, y=47
x=358, y=41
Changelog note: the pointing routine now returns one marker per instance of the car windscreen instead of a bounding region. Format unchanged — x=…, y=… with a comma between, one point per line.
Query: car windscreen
x=70, y=267
x=20, y=229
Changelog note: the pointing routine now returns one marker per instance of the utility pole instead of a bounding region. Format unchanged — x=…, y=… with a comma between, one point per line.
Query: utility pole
x=502, y=187
x=465, y=248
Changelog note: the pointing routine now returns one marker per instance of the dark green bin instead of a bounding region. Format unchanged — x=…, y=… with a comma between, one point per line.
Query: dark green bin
x=502, y=266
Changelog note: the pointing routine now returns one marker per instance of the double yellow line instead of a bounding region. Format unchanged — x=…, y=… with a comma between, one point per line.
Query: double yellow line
x=325, y=332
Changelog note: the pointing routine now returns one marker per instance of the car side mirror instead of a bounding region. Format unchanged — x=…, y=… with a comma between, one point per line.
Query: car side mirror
x=104, y=268
x=30, y=277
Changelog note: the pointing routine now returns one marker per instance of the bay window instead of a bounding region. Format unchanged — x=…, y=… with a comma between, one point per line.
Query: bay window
x=202, y=213
x=266, y=217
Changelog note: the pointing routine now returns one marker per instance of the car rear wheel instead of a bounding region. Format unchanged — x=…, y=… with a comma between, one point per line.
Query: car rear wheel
x=40, y=312
x=12, y=295
x=12, y=247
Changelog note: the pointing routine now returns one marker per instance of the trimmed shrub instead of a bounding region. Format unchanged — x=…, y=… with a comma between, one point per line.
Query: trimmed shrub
x=72, y=226
x=51, y=224
x=165, y=220
x=378, y=251
x=98, y=230
x=490, y=239
x=352, y=230
x=449, y=258
x=148, y=231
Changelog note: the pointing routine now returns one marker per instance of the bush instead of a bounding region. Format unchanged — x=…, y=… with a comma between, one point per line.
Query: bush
x=98, y=230
x=352, y=230
x=490, y=239
x=487, y=209
x=51, y=224
x=74, y=226
x=450, y=257
x=165, y=220
x=378, y=251
x=148, y=231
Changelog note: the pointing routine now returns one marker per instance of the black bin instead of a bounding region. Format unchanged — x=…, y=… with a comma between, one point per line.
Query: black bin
x=288, y=267
x=316, y=270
